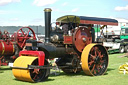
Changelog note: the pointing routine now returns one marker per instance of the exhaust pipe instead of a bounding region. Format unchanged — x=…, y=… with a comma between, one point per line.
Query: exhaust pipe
x=47, y=24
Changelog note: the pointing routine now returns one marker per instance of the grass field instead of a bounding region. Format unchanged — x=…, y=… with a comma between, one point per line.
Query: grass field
x=112, y=77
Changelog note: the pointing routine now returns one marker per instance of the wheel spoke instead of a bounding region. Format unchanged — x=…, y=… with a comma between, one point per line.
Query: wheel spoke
x=93, y=68
x=91, y=62
x=22, y=32
x=94, y=71
x=98, y=67
x=27, y=33
x=99, y=53
x=96, y=50
x=35, y=77
x=36, y=71
x=101, y=61
x=92, y=56
x=23, y=43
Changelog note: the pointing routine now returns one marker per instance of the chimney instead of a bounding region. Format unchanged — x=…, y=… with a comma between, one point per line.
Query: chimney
x=47, y=24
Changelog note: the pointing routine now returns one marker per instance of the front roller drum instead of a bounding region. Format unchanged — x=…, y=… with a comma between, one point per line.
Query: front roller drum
x=94, y=60
x=30, y=75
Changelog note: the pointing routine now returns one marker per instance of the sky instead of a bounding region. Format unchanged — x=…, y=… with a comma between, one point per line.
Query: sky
x=31, y=12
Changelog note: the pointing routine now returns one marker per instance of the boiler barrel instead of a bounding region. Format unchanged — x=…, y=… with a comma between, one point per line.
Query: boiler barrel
x=6, y=48
x=52, y=51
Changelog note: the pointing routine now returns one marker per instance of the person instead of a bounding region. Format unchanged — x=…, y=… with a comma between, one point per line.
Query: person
x=65, y=29
x=6, y=35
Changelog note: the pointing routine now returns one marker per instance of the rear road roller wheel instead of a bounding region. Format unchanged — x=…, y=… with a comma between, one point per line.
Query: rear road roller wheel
x=121, y=49
x=32, y=75
x=126, y=49
x=94, y=60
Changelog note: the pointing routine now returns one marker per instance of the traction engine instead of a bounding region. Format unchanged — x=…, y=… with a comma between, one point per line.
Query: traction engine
x=10, y=46
x=72, y=41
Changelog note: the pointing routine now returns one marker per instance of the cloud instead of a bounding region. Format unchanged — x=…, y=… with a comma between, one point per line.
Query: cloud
x=37, y=20
x=119, y=8
x=9, y=12
x=5, y=2
x=44, y=2
x=3, y=12
x=55, y=9
x=65, y=3
x=75, y=10
x=69, y=11
x=14, y=19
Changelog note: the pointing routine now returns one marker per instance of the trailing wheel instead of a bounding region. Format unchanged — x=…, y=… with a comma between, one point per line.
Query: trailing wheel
x=94, y=60
x=31, y=75
x=74, y=67
x=126, y=49
x=121, y=49
x=69, y=64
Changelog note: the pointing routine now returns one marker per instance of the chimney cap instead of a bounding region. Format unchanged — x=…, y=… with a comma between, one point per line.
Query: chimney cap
x=47, y=9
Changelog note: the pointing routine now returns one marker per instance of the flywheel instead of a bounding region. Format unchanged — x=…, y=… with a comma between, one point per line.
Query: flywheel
x=81, y=38
x=94, y=60
x=31, y=75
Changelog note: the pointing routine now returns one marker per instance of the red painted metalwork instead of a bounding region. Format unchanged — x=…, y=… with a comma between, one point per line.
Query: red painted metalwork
x=3, y=61
x=68, y=39
x=21, y=36
x=6, y=48
x=81, y=38
x=39, y=54
x=97, y=22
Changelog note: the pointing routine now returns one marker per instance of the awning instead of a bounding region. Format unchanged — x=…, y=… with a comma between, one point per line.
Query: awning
x=87, y=20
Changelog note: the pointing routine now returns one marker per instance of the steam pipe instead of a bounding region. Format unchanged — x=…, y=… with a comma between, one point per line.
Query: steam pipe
x=47, y=24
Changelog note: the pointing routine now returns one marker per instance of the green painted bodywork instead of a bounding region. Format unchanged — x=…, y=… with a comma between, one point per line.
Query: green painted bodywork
x=124, y=33
x=110, y=51
x=123, y=36
x=95, y=28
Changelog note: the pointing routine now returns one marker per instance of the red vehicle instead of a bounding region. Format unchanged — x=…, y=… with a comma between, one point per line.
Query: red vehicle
x=11, y=46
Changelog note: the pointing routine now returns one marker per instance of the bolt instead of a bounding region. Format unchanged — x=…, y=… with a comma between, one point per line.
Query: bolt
x=84, y=39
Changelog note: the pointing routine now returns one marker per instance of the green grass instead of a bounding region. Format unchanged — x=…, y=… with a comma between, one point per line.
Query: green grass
x=111, y=77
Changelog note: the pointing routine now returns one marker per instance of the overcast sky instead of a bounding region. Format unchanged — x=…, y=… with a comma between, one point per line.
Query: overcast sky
x=30, y=12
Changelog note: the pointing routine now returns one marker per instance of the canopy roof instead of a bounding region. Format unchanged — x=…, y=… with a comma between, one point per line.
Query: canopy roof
x=87, y=20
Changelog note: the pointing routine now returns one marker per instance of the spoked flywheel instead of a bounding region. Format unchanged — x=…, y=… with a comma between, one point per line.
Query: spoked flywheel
x=94, y=60
x=31, y=75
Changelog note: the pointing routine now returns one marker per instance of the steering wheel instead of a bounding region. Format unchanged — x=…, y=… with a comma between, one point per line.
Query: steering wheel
x=24, y=34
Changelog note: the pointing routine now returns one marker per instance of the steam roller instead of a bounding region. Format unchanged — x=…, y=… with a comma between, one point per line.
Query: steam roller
x=72, y=41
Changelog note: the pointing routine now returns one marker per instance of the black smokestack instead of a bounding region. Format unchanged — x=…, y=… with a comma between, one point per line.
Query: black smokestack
x=47, y=24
